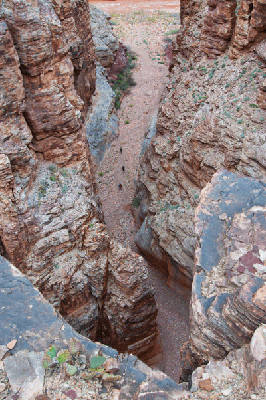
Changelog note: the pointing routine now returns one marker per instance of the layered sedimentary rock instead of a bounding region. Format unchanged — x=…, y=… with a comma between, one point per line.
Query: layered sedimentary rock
x=241, y=373
x=212, y=116
x=228, y=291
x=52, y=225
x=218, y=27
x=250, y=26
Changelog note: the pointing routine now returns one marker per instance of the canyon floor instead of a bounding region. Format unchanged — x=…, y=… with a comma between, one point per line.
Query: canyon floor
x=146, y=34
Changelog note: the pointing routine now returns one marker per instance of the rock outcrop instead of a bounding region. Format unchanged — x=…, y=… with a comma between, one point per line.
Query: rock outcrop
x=228, y=301
x=106, y=43
x=29, y=335
x=241, y=374
x=29, y=320
x=52, y=224
x=218, y=27
x=102, y=121
x=212, y=116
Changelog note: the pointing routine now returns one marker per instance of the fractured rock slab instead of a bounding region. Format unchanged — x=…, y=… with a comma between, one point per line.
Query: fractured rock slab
x=228, y=298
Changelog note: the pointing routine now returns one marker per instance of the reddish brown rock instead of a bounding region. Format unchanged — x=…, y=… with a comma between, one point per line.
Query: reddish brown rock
x=218, y=27
x=250, y=26
x=129, y=296
x=206, y=384
x=51, y=219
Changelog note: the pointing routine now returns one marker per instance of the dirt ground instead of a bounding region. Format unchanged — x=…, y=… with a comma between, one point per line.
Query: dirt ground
x=147, y=34
x=125, y=6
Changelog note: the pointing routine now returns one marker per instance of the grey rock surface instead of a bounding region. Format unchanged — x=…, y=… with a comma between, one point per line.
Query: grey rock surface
x=106, y=43
x=102, y=122
x=25, y=373
x=150, y=133
x=29, y=318
x=228, y=301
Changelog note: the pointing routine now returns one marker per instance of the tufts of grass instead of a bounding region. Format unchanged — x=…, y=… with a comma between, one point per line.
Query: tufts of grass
x=172, y=32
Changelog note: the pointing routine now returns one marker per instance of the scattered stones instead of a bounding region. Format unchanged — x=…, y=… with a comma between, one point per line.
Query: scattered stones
x=206, y=384
x=2, y=387
x=11, y=344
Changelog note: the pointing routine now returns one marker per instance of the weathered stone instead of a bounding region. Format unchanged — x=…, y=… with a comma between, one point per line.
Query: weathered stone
x=258, y=345
x=125, y=296
x=27, y=315
x=106, y=44
x=25, y=373
x=51, y=219
x=101, y=123
x=218, y=27
x=206, y=384
x=203, y=124
x=250, y=26
x=224, y=317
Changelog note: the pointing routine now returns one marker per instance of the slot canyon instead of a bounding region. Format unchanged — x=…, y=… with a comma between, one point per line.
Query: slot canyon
x=132, y=199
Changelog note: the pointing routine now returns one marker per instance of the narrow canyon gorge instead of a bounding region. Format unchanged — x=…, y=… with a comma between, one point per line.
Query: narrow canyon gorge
x=133, y=199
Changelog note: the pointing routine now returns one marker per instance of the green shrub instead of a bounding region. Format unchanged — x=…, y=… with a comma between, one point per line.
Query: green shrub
x=136, y=202
x=172, y=32
x=124, y=80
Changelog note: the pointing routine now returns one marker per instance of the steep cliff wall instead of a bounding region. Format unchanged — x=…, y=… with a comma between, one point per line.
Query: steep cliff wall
x=211, y=116
x=52, y=224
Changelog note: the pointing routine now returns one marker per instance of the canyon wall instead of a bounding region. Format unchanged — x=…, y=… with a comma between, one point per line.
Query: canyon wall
x=52, y=225
x=211, y=117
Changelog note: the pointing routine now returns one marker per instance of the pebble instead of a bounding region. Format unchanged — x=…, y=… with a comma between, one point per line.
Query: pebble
x=2, y=387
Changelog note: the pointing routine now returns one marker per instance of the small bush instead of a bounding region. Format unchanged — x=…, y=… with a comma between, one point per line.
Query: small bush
x=124, y=80
x=136, y=202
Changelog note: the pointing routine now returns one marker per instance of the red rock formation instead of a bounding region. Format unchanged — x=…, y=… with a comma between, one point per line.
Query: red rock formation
x=51, y=219
x=218, y=27
x=250, y=26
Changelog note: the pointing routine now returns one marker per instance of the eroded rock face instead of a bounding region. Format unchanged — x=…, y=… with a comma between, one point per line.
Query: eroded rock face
x=106, y=43
x=227, y=302
x=29, y=318
x=250, y=26
x=212, y=116
x=129, y=300
x=218, y=27
x=209, y=118
x=242, y=372
x=51, y=219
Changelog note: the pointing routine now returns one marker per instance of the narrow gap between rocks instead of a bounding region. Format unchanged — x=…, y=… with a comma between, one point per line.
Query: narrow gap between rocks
x=147, y=34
